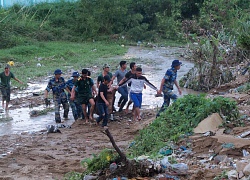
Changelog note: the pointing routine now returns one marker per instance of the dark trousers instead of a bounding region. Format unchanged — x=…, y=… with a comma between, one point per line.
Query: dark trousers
x=123, y=90
x=103, y=113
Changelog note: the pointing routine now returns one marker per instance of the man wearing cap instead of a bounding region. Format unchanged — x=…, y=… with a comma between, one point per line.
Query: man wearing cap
x=167, y=84
x=104, y=73
x=75, y=106
x=5, y=85
x=102, y=102
x=84, y=97
x=57, y=84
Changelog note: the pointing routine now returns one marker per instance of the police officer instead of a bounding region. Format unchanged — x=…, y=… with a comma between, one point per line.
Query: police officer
x=75, y=106
x=57, y=84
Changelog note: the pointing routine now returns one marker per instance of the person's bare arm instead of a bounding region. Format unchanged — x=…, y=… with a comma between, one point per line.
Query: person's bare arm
x=46, y=94
x=178, y=87
x=161, y=86
x=72, y=97
x=18, y=80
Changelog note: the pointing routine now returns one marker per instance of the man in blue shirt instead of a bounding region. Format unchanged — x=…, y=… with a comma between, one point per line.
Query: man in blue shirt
x=57, y=84
x=167, y=84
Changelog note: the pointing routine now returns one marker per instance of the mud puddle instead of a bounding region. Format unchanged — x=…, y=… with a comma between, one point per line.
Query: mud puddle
x=154, y=63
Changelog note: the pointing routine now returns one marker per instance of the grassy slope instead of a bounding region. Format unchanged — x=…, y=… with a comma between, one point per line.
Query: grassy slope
x=55, y=55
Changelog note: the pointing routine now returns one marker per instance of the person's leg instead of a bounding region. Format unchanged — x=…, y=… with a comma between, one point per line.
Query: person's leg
x=7, y=99
x=79, y=110
x=127, y=108
x=168, y=94
x=105, y=119
x=65, y=110
x=92, y=103
x=4, y=96
x=57, y=110
x=73, y=106
x=136, y=104
x=173, y=96
x=85, y=113
x=124, y=94
x=139, y=97
x=101, y=112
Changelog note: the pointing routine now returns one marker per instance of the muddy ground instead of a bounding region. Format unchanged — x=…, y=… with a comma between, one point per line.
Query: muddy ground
x=38, y=155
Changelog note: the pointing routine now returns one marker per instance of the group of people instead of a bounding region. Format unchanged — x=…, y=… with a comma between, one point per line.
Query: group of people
x=80, y=91
x=130, y=84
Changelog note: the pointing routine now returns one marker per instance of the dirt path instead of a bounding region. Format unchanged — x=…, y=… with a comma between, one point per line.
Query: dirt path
x=38, y=155
x=51, y=156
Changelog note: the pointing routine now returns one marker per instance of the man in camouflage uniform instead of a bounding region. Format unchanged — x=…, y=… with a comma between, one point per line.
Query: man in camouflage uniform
x=75, y=106
x=167, y=85
x=57, y=84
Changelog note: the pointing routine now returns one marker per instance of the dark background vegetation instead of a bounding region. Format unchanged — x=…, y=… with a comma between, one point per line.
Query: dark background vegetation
x=150, y=20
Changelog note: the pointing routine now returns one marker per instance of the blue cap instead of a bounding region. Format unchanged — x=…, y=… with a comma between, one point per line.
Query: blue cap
x=58, y=71
x=176, y=63
x=75, y=74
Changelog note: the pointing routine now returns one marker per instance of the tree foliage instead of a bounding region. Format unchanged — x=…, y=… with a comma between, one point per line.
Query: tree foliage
x=136, y=20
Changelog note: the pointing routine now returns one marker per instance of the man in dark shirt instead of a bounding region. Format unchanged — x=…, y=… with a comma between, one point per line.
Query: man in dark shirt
x=5, y=85
x=84, y=85
x=102, y=103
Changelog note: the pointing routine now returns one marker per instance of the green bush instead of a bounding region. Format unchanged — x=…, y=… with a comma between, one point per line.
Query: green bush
x=180, y=119
x=100, y=161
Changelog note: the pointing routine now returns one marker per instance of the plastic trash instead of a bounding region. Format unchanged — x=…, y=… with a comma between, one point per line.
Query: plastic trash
x=172, y=177
x=228, y=145
x=183, y=148
x=245, y=153
x=164, y=163
x=180, y=168
x=89, y=177
x=112, y=167
x=52, y=129
x=165, y=151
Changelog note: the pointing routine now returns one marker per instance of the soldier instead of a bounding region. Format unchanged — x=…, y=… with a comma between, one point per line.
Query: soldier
x=5, y=85
x=57, y=84
x=84, y=97
x=167, y=85
x=75, y=106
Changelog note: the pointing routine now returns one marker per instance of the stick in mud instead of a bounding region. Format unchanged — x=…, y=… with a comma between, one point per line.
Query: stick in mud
x=121, y=154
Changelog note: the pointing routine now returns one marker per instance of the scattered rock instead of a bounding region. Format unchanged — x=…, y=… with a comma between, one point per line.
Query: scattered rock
x=211, y=123
x=233, y=174
x=246, y=170
x=240, y=165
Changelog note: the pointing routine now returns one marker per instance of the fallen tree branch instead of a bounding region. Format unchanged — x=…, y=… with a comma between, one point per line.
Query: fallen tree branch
x=121, y=154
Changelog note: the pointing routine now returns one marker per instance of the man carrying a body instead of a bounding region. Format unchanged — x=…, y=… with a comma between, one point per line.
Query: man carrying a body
x=84, y=85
